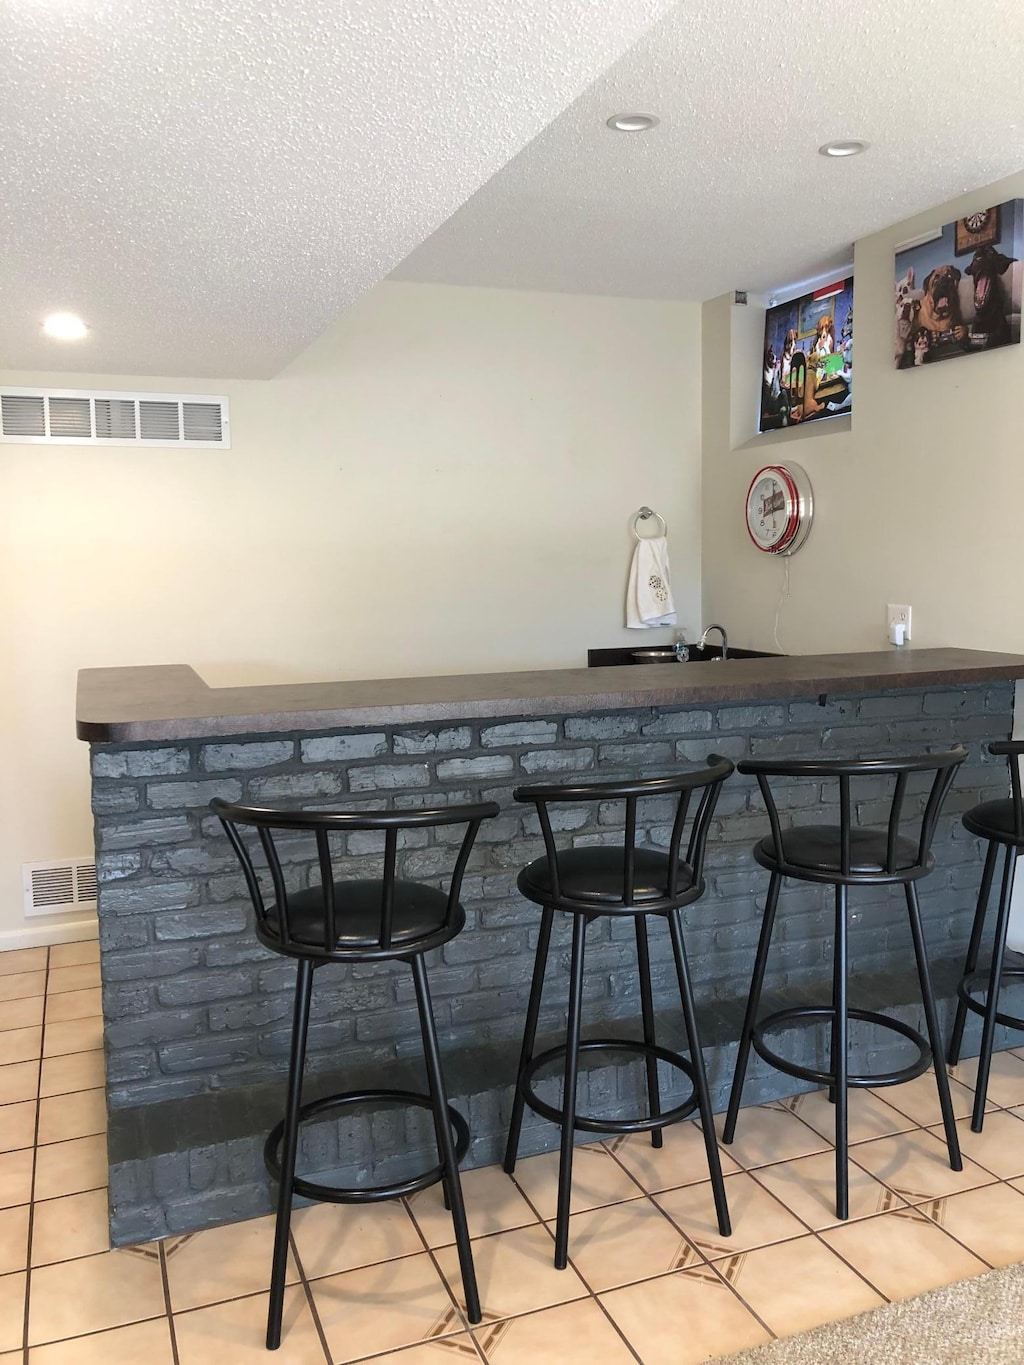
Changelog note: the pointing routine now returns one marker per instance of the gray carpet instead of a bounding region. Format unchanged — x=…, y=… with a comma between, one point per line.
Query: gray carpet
x=979, y=1320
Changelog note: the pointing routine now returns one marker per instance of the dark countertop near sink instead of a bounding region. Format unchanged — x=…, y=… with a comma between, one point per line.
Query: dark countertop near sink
x=171, y=701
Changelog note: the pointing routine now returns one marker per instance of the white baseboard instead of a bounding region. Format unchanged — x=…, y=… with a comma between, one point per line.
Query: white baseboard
x=43, y=935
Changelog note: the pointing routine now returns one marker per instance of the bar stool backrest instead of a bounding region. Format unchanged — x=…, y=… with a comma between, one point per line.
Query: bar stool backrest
x=916, y=823
x=277, y=919
x=1012, y=749
x=685, y=875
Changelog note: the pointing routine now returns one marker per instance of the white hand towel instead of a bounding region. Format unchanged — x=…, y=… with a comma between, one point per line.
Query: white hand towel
x=649, y=594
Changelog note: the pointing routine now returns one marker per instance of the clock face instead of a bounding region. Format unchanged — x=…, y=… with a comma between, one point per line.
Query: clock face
x=779, y=509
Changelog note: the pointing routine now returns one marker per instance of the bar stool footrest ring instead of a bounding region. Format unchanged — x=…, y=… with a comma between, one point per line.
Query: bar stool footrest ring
x=979, y=981
x=589, y=1123
x=808, y=1073
x=339, y=1194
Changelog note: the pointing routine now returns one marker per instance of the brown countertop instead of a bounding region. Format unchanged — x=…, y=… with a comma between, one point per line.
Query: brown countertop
x=171, y=701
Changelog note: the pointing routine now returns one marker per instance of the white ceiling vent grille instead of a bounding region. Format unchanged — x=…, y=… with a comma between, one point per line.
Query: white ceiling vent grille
x=75, y=417
x=54, y=888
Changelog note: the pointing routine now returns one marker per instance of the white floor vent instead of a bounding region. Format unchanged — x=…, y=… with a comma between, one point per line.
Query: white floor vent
x=55, y=888
x=77, y=417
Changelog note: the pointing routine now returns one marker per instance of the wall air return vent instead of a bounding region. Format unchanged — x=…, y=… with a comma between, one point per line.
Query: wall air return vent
x=75, y=417
x=57, y=887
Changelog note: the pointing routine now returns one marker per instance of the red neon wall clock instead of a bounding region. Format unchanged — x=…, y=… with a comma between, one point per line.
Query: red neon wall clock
x=780, y=508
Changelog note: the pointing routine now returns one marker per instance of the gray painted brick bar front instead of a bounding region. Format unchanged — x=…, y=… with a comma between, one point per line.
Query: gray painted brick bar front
x=197, y=1013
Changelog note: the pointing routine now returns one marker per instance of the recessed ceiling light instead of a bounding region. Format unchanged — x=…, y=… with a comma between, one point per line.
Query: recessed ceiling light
x=850, y=147
x=64, y=327
x=631, y=123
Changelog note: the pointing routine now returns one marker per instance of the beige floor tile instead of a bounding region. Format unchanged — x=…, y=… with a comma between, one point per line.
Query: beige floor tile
x=72, y=1035
x=26, y=1013
x=869, y=1115
x=74, y=1005
x=148, y=1342
x=771, y=1132
x=17, y=1125
x=919, y=1099
x=515, y=1273
x=13, y=1239
x=22, y=985
x=493, y=1204
x=22, y=960
x=757, y=1218
x=229, y=1262
x=683, y=1319
x=62, y=979
x=624, y=1243
x=916, y=1166
x=332, y=1238
x=682, y=1160
x=989, y=1222
x=597, y=1178
x=72, y=1226
x=77, y=1071
x=807, y=1187
x=999, y=1147
x=571, y=1334
x=800, y=1285
x=19, y=1081
x=12, y=1311
x=234, y=1333
x=902, y=1253
x=68, y=1167
x=96, y=1292
x=1006, y=1078
x=20, y=1045
x=453, y=1350
x=383, y=1307
x=15, y=1177
x=80, y=1114
x=75, y=954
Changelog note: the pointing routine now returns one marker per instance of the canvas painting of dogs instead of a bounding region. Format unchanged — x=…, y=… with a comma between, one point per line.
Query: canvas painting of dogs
x=808, y=357
x=956, y=295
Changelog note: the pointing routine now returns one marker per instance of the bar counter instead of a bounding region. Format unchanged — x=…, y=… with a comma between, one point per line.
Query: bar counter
x=196, y=1012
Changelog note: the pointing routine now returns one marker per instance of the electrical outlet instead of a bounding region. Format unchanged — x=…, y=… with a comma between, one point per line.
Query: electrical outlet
x=897, y=616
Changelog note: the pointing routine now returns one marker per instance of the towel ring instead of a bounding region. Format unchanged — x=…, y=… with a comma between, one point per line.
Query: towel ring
x=643, y=515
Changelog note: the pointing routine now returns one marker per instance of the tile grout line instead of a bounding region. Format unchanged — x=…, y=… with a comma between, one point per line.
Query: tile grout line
x=307, y=1291
x=167, y=1303
x=407, y=1205
x=35, y=1161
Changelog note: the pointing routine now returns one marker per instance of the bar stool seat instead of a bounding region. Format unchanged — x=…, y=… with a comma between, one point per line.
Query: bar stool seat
x=624, y=881
x=357, y=921
x=845, y=855
x=1001, y=825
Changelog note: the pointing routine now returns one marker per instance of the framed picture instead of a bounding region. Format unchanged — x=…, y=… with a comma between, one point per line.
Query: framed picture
x=977, y=229
x=808, y=357
x=949, y=304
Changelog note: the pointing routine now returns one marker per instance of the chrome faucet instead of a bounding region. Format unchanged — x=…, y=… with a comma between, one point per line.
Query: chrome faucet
x=725, y=640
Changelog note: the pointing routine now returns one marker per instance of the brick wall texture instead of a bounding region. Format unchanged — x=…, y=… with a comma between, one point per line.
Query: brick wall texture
x=196, y=1010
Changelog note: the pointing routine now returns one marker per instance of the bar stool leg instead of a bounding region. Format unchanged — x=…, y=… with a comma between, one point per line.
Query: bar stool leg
x=988, y=1032
x=647, y=1008
x=934, y=1034
x=529, y=1037
x=707, y=1118
x=572, y=1063
x=443, y=1130
x=840, y=1056
x=973, y=950
x=290, y=1147
x=753, y=1000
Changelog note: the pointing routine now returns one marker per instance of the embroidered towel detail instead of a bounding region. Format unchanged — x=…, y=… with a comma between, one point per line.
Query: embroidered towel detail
x=649, y=594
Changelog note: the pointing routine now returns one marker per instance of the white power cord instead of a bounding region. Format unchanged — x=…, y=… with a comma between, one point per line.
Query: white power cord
x=783, y=593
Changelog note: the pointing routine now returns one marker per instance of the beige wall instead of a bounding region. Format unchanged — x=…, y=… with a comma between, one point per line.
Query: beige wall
x=918, y=494
x=443, y=483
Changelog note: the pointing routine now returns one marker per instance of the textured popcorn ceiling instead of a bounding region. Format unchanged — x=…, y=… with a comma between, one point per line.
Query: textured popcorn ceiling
x=210, y=182
x=729, y=191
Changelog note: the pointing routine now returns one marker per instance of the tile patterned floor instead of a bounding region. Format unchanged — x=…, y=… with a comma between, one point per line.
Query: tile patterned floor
x=650, y=1278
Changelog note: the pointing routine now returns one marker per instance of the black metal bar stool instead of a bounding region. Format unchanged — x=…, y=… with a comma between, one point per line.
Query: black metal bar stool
x=1002, y=824
x=844, y=855
x=620, y=881
x=356, y=921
